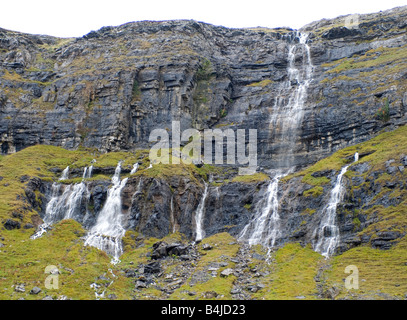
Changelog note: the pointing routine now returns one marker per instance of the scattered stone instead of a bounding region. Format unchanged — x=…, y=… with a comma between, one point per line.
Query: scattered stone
x=207, y=246
x=19, y=288
x=227, y=272
x=47, y=298
x=191, y=293
x=131, y=273
x=152, y=267
x=71, y=271
x=28, y=226
x=389, y=162
x=300, y=297
x=142, y=278
x=162, y=250
x=331, y=293
x=175, y=284
x=210, y=294
x=35, y=290
x=253, y=269
x=235, y=291
x=253, y=289
x=177, y=249
x=391, y=170
x=140, y=284
x=169, y=277
x=112, y=296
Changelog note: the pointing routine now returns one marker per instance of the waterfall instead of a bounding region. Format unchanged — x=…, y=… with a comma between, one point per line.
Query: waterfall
x=199, y=215
x=75, y=198
x=135, y=168
x=65, y=174
x=327, y=234
x=65, y=205
x=289, y=112
x=265, y=227
x=87, y=173
x=108, y=231
x=51, y=206
x=172, y=217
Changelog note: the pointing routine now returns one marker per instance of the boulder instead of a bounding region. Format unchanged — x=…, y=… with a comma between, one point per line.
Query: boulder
x=35, y=290
x=12, y=224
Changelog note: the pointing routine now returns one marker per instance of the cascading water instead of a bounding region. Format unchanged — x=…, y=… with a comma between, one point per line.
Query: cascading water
x=327, y=235
x=285, y=122
x=199, y=215
x=135, y=168
x=108, y=231
x=265, y=227
x=65, y=205
x=172, y=217
x=289, y=112
x=87, y=173
x=65, y=174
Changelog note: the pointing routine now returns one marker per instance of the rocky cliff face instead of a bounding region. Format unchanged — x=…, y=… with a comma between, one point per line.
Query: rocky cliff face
x=112, y=87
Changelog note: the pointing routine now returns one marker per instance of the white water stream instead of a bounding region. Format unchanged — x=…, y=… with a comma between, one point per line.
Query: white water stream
x=108, y=231
x=65, y=205
x=327, y=235
x=199, y=215
x=287, y=116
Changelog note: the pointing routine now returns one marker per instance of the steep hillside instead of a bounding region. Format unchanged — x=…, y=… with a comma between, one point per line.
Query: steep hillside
x=86, y=214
